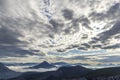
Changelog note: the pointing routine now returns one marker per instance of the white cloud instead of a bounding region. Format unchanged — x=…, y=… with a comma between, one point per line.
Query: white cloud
x=49, y=32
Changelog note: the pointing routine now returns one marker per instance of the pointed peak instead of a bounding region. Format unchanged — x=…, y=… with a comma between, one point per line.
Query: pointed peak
x=45, y=62
x=2, y=65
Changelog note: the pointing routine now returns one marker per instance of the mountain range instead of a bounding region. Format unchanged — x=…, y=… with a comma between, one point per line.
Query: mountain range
x=5, y=72
x=76, y=72
x=73, y=73
x=63, y=72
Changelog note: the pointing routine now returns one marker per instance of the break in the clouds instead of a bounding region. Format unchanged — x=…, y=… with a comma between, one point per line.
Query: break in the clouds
x=29, y=27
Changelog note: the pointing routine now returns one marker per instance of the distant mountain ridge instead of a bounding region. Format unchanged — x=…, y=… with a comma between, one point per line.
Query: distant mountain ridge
x=63, y=72
x=44, y=64
x=73, y=73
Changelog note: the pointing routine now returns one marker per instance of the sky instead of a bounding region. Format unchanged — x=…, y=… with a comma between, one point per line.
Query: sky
x=74, y=31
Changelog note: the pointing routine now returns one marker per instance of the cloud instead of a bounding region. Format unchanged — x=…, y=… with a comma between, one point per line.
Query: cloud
x=85, y=22
x=111, y=32
x=72, y=25
x=8, y=36
x=9, y=40
x=112, y=46
x=97, y=16
x=56, y=26
x=114, y=11
x=75, y=58
x=13, y=51
x=68, y=14
x=97, y=46
x=11, y=45
x=60, y=27
x=110, y=59
x=79, y=58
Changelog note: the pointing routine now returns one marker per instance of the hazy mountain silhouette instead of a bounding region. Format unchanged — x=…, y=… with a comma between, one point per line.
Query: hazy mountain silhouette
x=44, y=64
x=63, y=72
x=3, y=68
x=5, y=72
x=73, y=73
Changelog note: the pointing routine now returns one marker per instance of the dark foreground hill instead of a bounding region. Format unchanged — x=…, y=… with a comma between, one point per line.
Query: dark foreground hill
x=104, y=73
x=73, y=73
x=64, y=72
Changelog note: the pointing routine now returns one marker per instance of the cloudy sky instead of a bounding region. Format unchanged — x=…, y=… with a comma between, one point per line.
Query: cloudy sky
x=77, y=31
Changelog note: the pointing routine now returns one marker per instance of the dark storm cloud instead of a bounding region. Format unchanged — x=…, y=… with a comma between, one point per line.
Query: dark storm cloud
x=72, y=46
x=112, y=46
x=82, y=48
x=114, y=11
x=56, y=26
x=85, y=22
x=13, y=51
x=86, y=45
x=94, y=40
x=117, y=37
x=72, y=27
x=91, y=45
x=8, y=36
x=105, y=37
x=111, y=32
x=104, y=45
x=10, y=45
x=59, y=27
x=68, y=14
x=84, y=36
x=96, y=46
x=97, y=16
x=60, y=50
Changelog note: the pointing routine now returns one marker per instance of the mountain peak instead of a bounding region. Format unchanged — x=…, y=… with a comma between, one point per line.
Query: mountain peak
x=6, y=73
x=1, y=64
x=3, y=68
x=44, y=64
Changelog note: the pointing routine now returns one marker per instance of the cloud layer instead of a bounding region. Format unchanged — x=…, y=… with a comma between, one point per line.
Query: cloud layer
x=38, y=27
